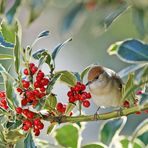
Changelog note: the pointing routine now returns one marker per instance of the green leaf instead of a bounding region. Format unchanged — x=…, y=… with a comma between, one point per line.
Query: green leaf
x=67, y=77
x=138, y=19
x=111, y=129
x=29, y=142
x=42, y=52
x=5, y=57
x=2, y=6
x=129, y=84
x=50, y=102
x=133, y=51
x=67, y=136
x=2, y=68
x=44, y=34
x=51, y=84
x=84, y=72
x=14, y=136
x=143, y=99
x=51, y=127
x=114, y=15
x=9, y=90
x=35, y=8
x=13, y=125
x=8, y=31
x=132, y=68
x=17, y=54
x=126, y=143
x=69, y=108
x=142, y=128
x=114, y=48
x=57, y=48
x=144, y=138
x=12, y=11
x=99, y=145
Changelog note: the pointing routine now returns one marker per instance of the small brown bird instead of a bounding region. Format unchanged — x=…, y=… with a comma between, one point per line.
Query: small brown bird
x=105, y=86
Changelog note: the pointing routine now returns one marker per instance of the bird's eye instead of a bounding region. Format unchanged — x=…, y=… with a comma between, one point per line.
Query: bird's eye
x=96, y=77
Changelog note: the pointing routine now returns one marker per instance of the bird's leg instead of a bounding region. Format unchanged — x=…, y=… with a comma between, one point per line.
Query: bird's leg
x=96, y=113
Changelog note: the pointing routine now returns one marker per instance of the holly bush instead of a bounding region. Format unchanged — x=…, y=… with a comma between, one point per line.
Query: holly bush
x=27, y=100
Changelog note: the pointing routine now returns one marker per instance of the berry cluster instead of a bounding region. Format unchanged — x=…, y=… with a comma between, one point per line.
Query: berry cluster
x=78, y=93
x=127, y=104
x=3, y=102
x=33, y=92
x=61, y=108
x=30, y=121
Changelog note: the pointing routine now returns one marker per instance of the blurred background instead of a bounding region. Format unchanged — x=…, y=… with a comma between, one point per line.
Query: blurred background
x=88, y=23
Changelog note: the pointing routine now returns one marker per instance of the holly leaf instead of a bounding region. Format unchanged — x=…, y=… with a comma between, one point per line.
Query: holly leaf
x=132, y=68
x=50, y=102
x=57, y=48
x=5, y=57
x=35, y=8
x=8, y=31
x=52, y=82
x=143, y=137
x=111, y=129
x=43, y=34
x=13, y=125
x=129, y=84
x=2, y=6
x=132, y=51
x=51, y=127
x=14, y=136
x=29, y=142
x=12, y=11
x=69, y=108
x=67, y=77
x=17, y=54
x=84, y=72
x=95, y=145
x=68, y=132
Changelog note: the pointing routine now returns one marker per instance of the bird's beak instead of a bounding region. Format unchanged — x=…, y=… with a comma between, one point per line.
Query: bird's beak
x=88, y=83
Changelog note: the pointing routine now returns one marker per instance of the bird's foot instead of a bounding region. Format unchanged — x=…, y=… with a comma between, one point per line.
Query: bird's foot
x=120, y=111
x=96, y=114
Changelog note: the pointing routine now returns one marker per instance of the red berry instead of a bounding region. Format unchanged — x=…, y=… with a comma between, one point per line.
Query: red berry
x=71, y=113
x=70, y=94
x=28, y=123
x=36, y=92
x=26, y=84
x=37, y=132
x=31, y=65
x=88, y=95
x=26, y=72
x=44, y=81
x=2, y=94
x=40, y=126
x=77, y=88
x=126, y=104
x=24, y=102
x=42, y=89
x=86, y=103
x=36, y=84
x=37, y=121
x=38, y=78
x=59, y=106
x=139, y=92
x=30, y=115
x=83, y=87
x=19, y=110
x=40, y=74
x=34, y=69
x=25, y=128
x=25, y=111
x=146, y=111
x=19, y=90
x=72, y=99
x=138, y=113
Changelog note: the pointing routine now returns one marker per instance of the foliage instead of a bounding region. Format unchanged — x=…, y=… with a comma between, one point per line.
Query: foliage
x=21, y=118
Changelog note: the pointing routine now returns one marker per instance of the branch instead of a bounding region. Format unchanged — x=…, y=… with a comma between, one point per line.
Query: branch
x=104, y=116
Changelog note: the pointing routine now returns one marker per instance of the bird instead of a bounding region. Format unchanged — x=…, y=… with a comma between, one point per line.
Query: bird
x=105, y=86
